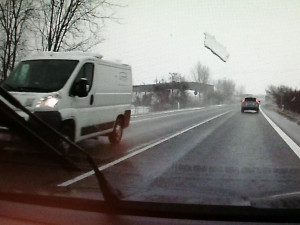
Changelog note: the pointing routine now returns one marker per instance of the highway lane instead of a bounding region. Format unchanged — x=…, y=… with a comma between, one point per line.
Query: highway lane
x=207, y=155
x=147, y=129
x=228, y=160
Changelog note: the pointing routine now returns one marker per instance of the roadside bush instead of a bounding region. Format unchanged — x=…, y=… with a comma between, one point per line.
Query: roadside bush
x=285, y=97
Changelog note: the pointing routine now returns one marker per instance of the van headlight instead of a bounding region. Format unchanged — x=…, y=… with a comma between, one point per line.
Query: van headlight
x=48, y=102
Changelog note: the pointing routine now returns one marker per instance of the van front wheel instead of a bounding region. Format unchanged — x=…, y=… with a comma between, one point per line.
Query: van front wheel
x=116, y=135
x=67, y=132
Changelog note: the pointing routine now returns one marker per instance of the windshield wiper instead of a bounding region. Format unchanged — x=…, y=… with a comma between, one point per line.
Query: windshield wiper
x=283, y=201
x=23, y=128
x=10, y=87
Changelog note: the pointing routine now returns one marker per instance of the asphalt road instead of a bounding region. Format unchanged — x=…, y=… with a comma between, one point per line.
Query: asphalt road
x=209, y=155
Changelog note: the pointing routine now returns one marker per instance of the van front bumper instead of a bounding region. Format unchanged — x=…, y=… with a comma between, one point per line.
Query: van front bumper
x=52, y=118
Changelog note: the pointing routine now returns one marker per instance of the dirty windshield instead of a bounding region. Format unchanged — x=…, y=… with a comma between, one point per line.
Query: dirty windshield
x=157, y=94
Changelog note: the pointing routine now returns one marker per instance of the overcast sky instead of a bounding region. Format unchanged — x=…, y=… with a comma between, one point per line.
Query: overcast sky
x=161, y=36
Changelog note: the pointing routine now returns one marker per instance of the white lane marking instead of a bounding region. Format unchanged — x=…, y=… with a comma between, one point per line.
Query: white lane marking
x=90, y=173
x=284, y=136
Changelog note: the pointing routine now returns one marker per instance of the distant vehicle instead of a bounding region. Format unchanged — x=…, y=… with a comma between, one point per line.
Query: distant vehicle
x=250, y=103
x=78, y=93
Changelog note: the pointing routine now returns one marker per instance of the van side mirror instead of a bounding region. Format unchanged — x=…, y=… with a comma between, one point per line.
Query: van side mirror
x=81, y=88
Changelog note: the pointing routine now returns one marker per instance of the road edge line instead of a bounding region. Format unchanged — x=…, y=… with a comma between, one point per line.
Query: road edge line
x=293, y=145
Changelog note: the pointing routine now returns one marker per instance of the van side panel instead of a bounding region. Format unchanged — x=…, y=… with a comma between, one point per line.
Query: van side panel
x=124, y=87
x=104, y=85
x=111, y=91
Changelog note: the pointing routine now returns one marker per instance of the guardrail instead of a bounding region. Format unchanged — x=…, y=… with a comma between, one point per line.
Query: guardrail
x=139, y=110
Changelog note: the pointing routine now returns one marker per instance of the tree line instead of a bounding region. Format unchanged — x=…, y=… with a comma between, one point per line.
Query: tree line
x=224, y=89
x=50, y=25
x=284, y=97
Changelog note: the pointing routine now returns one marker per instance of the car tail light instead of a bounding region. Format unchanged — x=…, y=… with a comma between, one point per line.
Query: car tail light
x=243, y=100
x=257, y=101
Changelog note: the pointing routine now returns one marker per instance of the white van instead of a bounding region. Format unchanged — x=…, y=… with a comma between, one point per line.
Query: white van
x=78, y=93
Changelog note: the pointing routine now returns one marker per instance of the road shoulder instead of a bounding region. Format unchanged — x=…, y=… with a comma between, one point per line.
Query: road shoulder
x=291, y=128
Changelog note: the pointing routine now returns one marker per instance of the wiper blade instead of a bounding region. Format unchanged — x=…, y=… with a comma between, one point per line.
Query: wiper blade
x=10, y=87
x=19, y=125
x=285, y=200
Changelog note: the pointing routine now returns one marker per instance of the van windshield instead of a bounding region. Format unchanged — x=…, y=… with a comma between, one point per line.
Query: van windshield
x=40, y=75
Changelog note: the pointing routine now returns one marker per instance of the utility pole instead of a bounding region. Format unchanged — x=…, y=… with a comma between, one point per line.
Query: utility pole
x=172, y=87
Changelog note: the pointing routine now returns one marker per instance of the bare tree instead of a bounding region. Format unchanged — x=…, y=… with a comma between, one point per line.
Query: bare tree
x=176, y=77
x=225, y=88
x=14, y=14
x=201, y=73
x=72, y=24
x=240, y=90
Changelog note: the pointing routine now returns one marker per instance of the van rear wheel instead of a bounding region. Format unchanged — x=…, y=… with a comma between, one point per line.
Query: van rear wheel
x=116, y=135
